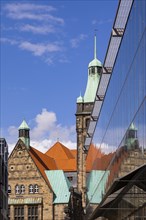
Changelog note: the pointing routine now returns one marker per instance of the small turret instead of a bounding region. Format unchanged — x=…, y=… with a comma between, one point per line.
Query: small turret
x=24, y=133
x=131, y=140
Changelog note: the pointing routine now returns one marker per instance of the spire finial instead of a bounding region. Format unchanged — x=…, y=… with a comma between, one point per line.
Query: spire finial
x=95, y=43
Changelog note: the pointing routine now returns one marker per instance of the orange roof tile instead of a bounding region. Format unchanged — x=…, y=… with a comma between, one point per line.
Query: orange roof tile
x=92, y=155
x=74, y=152
x=67, y=165
x=43, y=162
x=59, y=151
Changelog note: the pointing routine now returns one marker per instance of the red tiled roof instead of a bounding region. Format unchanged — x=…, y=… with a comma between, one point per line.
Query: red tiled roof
x=74, y=152
x=92, y=156
x=59, y=151
x=43, y=162
x=67, y=165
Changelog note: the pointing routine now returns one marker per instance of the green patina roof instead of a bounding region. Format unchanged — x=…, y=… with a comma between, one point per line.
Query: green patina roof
x=60, y=185
x=132, y=127
x=91, y=88
x=93, y=79
x=24, y=125
x=96, y=185
x=95, y=62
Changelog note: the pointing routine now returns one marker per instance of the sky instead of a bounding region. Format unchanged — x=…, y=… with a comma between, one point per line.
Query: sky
x=46, y=47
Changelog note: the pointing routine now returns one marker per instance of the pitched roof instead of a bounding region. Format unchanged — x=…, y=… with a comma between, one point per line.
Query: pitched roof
x=61, y=187
x=59, y=151
x=92, y=155
x=67, y=165
x=74, y=152
x=43, y=162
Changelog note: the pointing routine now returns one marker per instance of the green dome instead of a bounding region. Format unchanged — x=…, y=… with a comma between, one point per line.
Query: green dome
x=95, y=62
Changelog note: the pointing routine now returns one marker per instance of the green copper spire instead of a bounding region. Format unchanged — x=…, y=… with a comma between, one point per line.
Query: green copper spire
x=24, y=133
x=94, y=71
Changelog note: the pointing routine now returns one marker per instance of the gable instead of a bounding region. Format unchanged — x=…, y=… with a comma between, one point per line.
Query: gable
x=22, y=164
x=59, y=151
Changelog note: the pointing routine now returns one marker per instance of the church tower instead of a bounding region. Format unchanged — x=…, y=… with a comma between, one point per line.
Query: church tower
x=83, y=113
x=24, y=133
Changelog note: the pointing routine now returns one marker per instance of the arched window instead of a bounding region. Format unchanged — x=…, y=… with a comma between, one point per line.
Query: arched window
x=31, y=188
x=22, y=189
x=36, y=188
x=9, y=189
x=17, y=189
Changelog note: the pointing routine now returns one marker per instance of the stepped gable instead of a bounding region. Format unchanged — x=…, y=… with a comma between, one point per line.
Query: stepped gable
x=43, y=162
x=59, y=151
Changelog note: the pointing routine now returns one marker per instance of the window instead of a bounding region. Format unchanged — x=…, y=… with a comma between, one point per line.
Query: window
x=70, y=178
x=30, y=188
x=33, y=212
x=19, y=213
x=17, y=189
x=22, y=189
x=36, y=188
x=9, y=189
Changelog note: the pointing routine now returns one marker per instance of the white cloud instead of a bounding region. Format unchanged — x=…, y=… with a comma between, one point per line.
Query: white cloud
x=76, y=41
x=45, y=29
x=38, y=49
x=21, y=11
x=9, y=41
x=45, y=132
x=16, y=7
x=44, y=123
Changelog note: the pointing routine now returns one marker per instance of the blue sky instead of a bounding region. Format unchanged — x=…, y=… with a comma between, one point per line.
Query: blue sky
x=46, y=47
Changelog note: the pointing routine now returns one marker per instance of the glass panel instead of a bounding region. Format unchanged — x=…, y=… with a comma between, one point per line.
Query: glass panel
x=119, y=141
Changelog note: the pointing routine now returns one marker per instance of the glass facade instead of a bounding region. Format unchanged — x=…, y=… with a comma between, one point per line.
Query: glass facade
x=121, y=129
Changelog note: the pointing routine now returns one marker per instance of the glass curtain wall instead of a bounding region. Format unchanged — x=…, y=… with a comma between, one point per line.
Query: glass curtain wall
x=121, y=128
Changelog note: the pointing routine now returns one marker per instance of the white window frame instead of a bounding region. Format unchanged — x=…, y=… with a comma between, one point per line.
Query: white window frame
x=17, y=189
x=22, y=189
x=31, y=189
x=36, y=188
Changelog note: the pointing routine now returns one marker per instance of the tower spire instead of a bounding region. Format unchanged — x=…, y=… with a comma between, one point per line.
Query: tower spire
x=95, y=44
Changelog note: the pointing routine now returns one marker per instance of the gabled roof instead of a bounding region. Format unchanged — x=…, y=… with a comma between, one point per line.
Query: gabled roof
x=43, y=162
x=59, y=151
x=96, y=185
x=67, y=165
x=93, y=154
x=60, y=185
x=74, y=152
